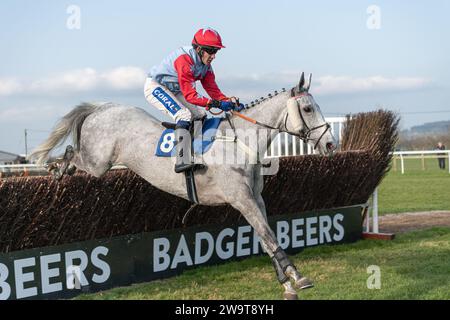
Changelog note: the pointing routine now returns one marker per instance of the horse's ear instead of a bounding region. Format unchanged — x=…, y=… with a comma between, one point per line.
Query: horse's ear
x=300, y=87
x=301, y=82
x=309, y=82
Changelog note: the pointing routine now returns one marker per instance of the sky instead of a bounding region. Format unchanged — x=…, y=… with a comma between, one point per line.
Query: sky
x=364, y=55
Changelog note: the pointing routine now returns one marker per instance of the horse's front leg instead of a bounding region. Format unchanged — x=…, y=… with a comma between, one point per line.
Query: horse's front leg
x=299, y=281
x=284, y=268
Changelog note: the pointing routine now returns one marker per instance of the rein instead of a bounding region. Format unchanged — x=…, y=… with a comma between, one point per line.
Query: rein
x=303, y=135
x=252, y=120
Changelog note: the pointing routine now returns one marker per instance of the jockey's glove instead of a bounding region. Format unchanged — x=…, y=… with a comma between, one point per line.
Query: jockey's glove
x=225, y=105
x=237, y=106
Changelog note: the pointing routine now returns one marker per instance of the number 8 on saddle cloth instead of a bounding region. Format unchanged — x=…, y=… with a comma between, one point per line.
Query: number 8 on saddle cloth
x=166, y=143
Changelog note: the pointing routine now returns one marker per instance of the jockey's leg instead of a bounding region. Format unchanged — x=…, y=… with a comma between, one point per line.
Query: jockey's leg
x=196, y=111
x=165, y=101
x=183, y=148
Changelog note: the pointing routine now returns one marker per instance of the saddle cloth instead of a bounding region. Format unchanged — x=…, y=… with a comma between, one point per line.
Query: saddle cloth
x=166, y=143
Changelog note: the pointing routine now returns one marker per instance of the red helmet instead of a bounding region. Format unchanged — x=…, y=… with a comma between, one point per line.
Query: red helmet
x=208, y=37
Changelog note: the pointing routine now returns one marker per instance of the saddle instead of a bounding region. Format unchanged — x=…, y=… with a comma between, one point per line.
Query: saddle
x=202, y=140
x=201, y=143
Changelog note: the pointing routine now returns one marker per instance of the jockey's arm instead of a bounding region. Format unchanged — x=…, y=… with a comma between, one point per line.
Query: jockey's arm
x=211, y=87
x=187, y=82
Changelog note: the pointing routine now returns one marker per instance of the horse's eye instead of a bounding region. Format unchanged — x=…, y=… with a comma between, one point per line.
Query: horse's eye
x=307, y=109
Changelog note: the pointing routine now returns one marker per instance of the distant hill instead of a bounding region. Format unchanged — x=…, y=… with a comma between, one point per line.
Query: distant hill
x=430, y=128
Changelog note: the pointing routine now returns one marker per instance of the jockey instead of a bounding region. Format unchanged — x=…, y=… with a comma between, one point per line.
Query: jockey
x=171, y=88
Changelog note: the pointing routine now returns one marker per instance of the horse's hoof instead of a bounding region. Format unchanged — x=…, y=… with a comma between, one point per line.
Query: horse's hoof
x=68, y=155
x=56, y=174
x=303, y=283
x=71, y=170
x=290, y=296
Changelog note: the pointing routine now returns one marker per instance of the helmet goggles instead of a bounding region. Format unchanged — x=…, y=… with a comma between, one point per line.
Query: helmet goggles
x=209, y=50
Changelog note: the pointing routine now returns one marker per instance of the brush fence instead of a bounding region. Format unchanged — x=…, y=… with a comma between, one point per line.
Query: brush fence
x=67, y=270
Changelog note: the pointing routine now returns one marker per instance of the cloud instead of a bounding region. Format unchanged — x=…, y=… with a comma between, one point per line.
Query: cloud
x=74, y=81
x=248, y=86
x=9, y=86
x=254, y=85
x=347, y=84
x=29, y=114
x=125, y=78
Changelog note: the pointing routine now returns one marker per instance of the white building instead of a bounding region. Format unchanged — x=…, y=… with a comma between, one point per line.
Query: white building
x=10, y=158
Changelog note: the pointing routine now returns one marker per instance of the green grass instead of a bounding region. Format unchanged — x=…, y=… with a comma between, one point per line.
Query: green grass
x=416, y=190
x=415, y=265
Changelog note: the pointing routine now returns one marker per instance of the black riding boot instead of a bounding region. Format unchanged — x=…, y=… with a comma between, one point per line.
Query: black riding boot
x=183, y=149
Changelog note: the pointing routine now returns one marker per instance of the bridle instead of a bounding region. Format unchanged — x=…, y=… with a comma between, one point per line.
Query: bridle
x=304, y=134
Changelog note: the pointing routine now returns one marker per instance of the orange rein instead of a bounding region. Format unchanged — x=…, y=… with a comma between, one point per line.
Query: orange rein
x=244, y=117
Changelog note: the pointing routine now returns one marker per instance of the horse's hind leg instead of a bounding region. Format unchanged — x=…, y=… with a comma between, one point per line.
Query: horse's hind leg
x=59, y=169
x=71, y=169
x=68, y=156
x=93, y=164
x=74, y=159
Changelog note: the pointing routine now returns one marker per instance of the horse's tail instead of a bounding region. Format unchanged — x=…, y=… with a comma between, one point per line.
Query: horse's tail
x=70, y=123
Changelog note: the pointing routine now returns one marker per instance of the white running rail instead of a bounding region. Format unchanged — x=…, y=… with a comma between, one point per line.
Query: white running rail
x=402, y=155
x=285, y=144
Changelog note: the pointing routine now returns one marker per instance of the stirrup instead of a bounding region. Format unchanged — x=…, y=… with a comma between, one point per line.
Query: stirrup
x=185, y=167
x=169, y=125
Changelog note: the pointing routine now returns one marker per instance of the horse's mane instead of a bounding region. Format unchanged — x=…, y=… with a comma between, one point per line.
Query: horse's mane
x=255, y=102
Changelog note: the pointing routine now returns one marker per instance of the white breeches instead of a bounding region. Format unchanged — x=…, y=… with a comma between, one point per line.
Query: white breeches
x=175, y=106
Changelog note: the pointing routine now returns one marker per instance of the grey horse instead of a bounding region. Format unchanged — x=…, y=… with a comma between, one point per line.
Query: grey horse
x=107, y=134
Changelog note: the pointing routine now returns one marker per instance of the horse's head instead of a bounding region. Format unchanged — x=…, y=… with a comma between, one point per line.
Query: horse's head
x=306, y=119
